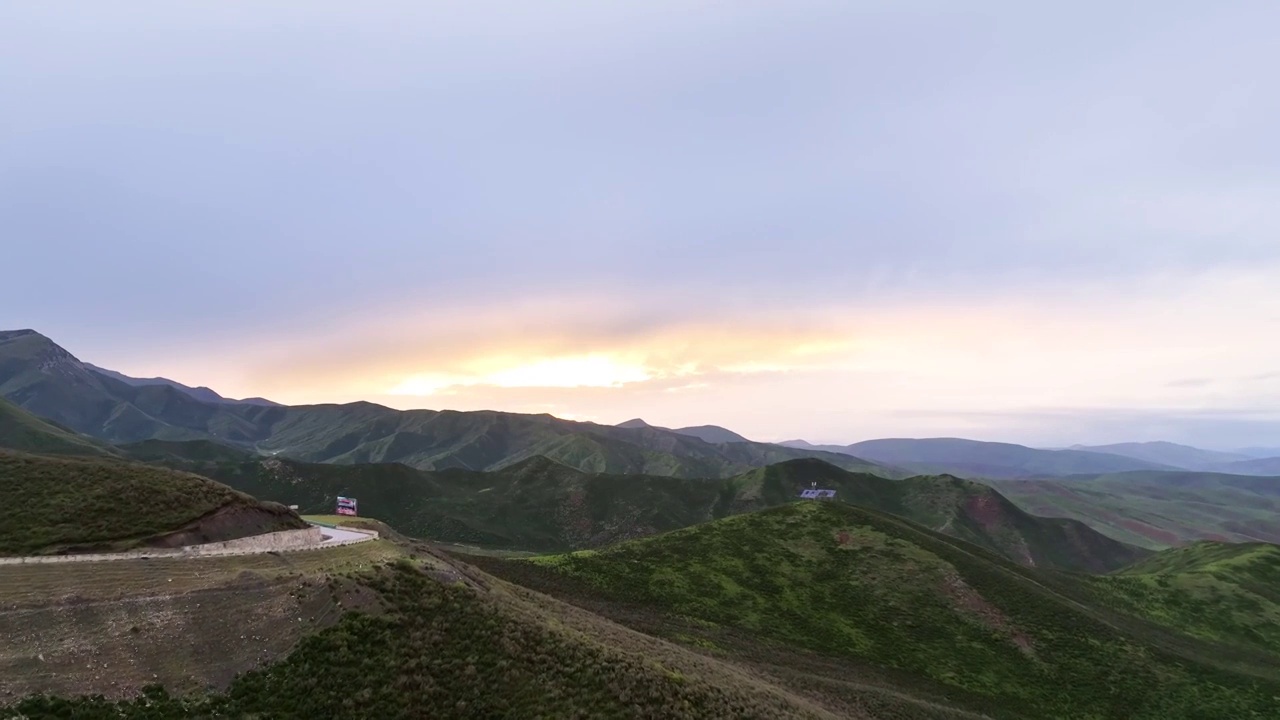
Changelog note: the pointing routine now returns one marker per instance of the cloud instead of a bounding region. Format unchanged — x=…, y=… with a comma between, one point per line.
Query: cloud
x=790, y=218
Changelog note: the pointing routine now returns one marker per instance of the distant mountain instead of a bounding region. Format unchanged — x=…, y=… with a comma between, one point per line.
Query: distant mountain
x=202, y=393
x=1167, y=453
x=878, y=597
x=1258, y=466
x=539, y=504
x=707, y=433
x=1159, y=509
x=806, y=445
x=1259, y=452
x=46, y=380
x=972, y=458
x=712, y=434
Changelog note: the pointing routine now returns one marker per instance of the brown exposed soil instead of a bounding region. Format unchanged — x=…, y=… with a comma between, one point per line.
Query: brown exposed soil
x=1147, y=531
x=970, y=602
x=984, y=509
x=187, y=642
x=230, y=522
x=115, y=627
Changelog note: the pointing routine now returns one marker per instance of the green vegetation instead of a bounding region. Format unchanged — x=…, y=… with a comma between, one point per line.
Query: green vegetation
x=178, y=452
x=1229, y=593
x=419, y=647
x=22, y=431
x=1159, y=509
x=64, y=504
x=541, y=505
x=853, y=583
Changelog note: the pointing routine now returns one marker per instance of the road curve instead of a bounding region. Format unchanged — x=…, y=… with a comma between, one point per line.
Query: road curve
x=344, y=536
x=332, y=537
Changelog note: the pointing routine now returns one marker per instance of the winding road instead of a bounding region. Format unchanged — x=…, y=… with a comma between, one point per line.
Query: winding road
x=285, y=541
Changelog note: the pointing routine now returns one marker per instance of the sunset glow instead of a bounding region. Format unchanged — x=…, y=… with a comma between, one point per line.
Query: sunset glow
x=690, y=213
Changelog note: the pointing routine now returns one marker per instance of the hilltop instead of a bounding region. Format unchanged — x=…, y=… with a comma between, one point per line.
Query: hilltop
x=59, y=505
x=201, y=393
x=541, y=505
x=45, y=379
x=707, y=433
x=862, y=589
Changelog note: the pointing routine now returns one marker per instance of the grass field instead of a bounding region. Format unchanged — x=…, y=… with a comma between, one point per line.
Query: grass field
x=1226, y=593
x=856, y=585
x=105, y=504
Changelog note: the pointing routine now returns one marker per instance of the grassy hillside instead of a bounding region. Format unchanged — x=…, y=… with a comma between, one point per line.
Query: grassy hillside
x=1228, y=593
x=542, y=505
x=20, y=430
x=432, y=639
x=961, y=508
x=1159, y=509
x=62, y=504
x=810, y=610
x=857, y=585
x=190, y=452
x=46, y=380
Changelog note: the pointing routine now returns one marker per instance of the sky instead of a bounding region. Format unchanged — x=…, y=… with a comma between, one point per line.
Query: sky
x=1046, y=223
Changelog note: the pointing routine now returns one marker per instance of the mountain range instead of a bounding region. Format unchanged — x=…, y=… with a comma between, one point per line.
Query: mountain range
x=709, y=433
x=42, y=377
x=45, y=379
x=200, y=393
x=974, y=458
x=541, y=505
x=924, y=597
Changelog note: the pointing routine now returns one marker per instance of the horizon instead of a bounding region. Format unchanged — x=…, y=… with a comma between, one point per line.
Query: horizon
x=835, y=222
x=1092, y=447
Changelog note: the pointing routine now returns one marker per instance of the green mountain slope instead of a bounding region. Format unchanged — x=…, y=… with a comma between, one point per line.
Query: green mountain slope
x=1159, y=509
x=1228, y=593
x=44, y=379
x=73, y=505
x=860, y=586
x=542, y=505
x=20, y=430
x=423, y=638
